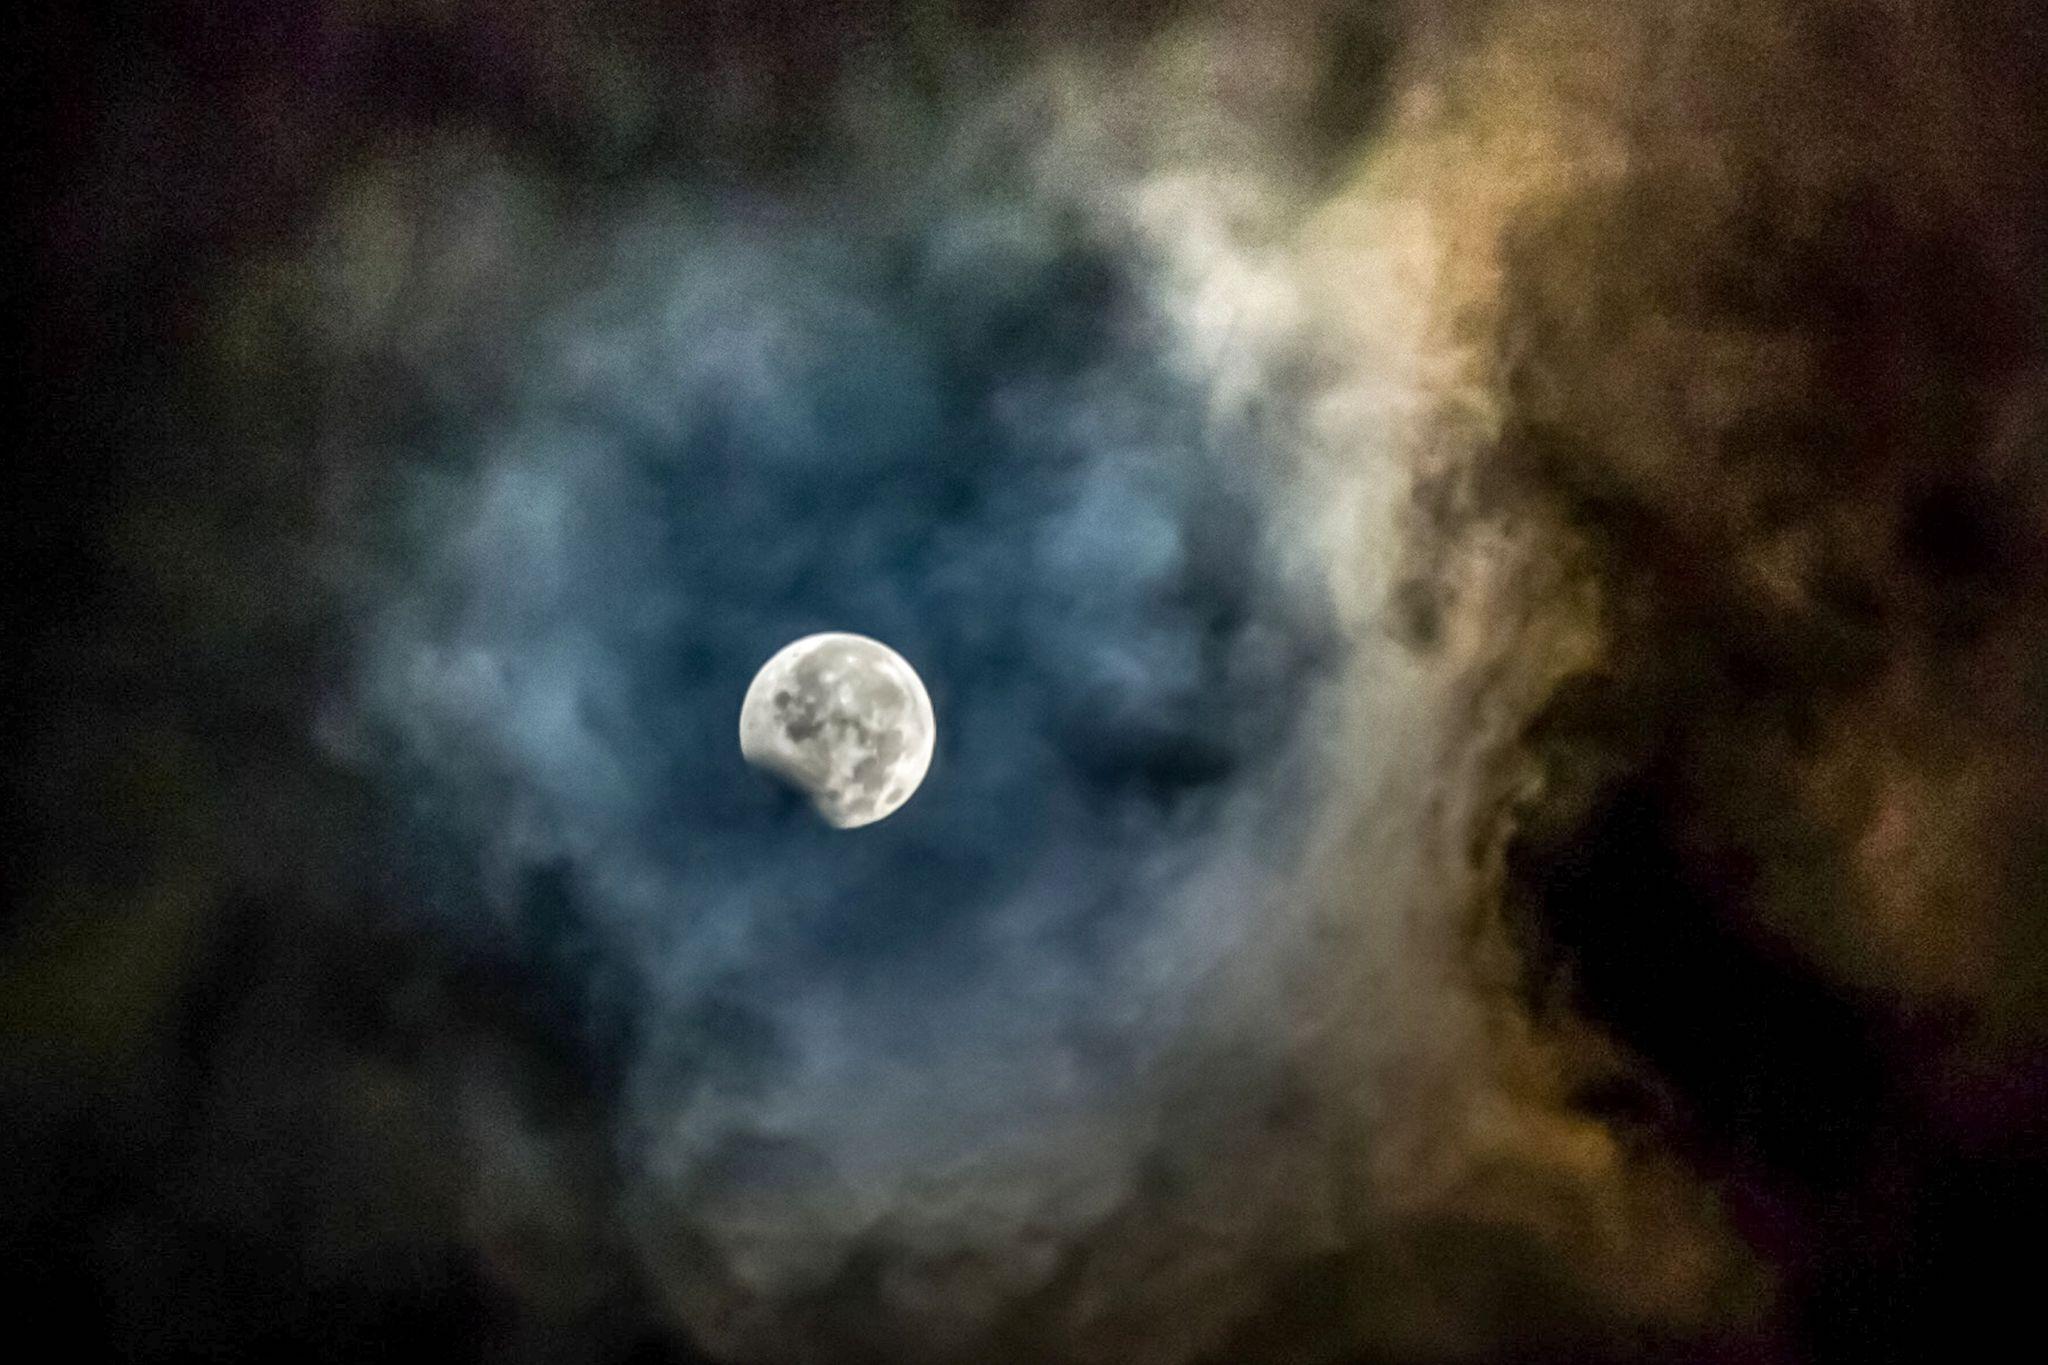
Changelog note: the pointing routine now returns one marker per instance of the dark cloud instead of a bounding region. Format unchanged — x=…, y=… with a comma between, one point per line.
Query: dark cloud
x=1781, y=385
x=1477, y=567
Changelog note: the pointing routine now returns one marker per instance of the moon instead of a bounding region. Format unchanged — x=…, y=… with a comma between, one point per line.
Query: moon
x=845, y=720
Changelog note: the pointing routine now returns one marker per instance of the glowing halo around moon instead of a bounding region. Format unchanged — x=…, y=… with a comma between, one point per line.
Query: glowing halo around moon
x=845, y=720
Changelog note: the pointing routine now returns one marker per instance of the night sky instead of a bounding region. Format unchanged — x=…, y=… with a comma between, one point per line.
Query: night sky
x=1482, y=569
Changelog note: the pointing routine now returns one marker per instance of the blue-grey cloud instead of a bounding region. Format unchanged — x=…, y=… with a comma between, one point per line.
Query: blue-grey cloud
x=955, y=429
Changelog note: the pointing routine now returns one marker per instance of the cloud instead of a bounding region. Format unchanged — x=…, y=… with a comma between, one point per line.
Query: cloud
x=1389, y=510
x=1089, y=440
x=942, y=1041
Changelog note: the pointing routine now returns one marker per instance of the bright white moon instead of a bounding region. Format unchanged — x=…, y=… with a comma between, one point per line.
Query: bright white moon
x=844, y=719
